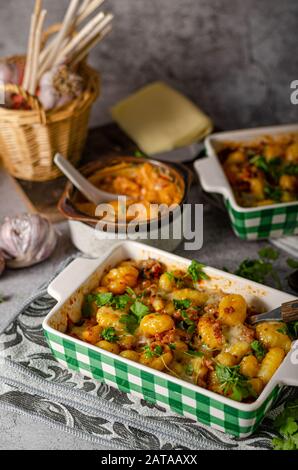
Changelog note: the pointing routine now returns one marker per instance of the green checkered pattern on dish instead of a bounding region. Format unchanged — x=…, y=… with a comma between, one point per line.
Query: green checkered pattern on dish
x=265, y=223
x=180, y=399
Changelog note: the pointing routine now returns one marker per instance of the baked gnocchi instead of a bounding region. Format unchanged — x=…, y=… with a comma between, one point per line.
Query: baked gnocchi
x=263, y=172
x=173, y=321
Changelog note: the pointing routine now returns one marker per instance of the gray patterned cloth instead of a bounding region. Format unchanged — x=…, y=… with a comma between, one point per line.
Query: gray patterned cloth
x=32, y=382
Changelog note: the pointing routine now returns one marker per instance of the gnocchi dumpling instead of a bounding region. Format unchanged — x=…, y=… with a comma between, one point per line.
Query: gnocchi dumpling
x=154, y=324
x=232, y=309
x=271, y=335
x=270, y=364
x=118, y=279
x=210, y=332
x=197, y=297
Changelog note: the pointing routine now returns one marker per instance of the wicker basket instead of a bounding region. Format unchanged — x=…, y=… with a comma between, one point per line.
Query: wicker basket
x=30, y=139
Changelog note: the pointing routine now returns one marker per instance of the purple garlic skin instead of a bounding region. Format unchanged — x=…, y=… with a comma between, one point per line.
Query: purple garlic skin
x=2, y=262
x=26, y=240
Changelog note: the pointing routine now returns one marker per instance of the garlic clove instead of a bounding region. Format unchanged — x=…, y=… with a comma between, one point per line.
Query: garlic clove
x=26, y=240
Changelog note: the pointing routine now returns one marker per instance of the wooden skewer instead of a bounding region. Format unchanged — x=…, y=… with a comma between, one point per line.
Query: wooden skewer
x=34, y=20
x=66, y=27
x=36, y=52
x=71, y=46
x=84, y=52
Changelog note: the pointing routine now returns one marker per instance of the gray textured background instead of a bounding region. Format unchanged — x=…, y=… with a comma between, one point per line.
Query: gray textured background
x=235, y=58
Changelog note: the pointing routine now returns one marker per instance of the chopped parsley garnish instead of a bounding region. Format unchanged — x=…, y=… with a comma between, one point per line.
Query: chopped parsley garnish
x=194, y=353
x=103, y=299
x=232, y=382
x=130, y=322
x=258, y=349
x=273, y=192
x=172, y=346
x=189, y=369
x=181, y=304
x=292, y=263
x=286, y=423
x=291, y=169
x=121, y=301
x=268, y=253
x=260, y=162
x=178, y=280
x=290, y=329
x=109, y=334
x=195, y=270
x=130, y=291
x=190, y=324
x=139, y=310
x=272, y=168
x=155, y=352
x=259, y=270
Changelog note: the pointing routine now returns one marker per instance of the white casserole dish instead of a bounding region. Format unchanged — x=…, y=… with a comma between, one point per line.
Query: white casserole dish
x=249, y=223
x=222, y=413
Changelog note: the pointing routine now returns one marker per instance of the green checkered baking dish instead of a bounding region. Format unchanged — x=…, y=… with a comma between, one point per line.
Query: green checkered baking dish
x=256, y=223
x=189, y=400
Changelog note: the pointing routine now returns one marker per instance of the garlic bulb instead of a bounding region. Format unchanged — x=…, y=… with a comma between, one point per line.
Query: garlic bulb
x=9, y=73
x=2, y=262
x=26, y=240
x=58, y=87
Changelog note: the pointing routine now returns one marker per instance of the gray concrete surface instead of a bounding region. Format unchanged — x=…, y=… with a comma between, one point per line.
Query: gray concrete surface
x=235, y=58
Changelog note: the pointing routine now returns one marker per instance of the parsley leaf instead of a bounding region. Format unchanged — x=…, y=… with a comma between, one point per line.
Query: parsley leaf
x=191, y=326
x=269, y=253
x=139, y=310
x=290, y=329
x=121, y=301
x=195, y=270
x=130, y=322
x=292, y=263
x=150, y=353
x=291, y=169
x=109, y=334
x=273, y=192
x=130, y=291
x=103, y=299
x=232, y=382
x=181, y=304
x=258, y=349
x=286, y=423
x=194, y=353
x=259, y=270
x=189, y=369
x=260, y=162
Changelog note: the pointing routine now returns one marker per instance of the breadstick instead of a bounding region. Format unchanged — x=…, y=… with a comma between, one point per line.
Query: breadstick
x=70, y=48
x=90, y=37
x=36, y=52
x=84, y=52
x=34, y=19
x=66, y=27
x=86, y=10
